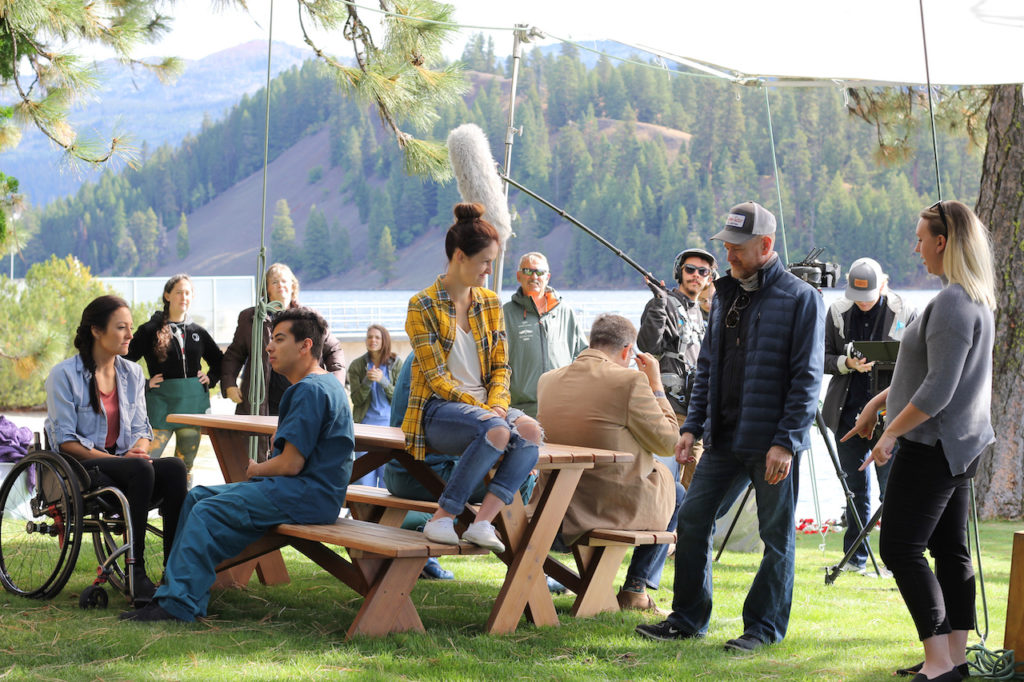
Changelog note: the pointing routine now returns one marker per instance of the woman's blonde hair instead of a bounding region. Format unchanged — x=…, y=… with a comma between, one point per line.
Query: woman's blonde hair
x=285, y=271
x=967, y=259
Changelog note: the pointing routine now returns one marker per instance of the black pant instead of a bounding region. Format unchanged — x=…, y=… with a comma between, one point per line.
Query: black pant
x=926, y=507
x=145, y=482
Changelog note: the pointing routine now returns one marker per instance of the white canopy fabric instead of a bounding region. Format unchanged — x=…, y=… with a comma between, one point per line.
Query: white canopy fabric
x=800, y=42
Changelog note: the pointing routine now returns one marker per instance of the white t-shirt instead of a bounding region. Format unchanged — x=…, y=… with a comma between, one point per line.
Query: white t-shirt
x=464, y=365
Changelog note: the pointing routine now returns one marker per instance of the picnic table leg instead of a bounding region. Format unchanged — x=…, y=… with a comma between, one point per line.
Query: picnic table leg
x=598, y=567
x=524, y=589
x=384, y=583
x=387, y=606
x=232, y=448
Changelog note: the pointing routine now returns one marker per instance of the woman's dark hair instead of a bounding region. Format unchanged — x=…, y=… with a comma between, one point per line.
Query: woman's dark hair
x=163, y=335
x=471, y=234
x=385, y=343
x=96, y=315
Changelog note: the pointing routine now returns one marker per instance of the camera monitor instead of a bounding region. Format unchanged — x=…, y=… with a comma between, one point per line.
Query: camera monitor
x=878, y=351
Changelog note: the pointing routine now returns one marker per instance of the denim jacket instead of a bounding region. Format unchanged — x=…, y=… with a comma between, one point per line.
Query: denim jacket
x=69, y=416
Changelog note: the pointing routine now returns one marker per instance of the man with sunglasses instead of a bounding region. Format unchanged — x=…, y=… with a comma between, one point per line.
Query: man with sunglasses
x=543, y=333
x=753, y=402
x=672, y=328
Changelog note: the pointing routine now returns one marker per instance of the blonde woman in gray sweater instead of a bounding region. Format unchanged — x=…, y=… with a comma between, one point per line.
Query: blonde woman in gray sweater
x=938, y=422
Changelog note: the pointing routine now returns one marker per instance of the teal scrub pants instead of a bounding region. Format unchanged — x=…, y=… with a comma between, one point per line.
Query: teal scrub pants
x=216, y=523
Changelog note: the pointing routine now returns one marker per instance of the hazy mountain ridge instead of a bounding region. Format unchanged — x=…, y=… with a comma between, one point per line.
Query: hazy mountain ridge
x=134, y=103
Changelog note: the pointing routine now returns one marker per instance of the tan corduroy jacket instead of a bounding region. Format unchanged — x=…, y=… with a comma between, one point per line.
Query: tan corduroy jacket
x=595, y=403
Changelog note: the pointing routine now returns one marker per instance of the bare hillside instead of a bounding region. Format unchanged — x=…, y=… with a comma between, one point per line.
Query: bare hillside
x=225, y=233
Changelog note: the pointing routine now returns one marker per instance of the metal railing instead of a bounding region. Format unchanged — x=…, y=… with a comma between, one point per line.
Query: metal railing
x=349, y=320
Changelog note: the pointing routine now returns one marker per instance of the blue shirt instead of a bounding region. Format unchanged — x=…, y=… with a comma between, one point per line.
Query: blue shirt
x=379, y=411
x=316, y=418
x=69, y=414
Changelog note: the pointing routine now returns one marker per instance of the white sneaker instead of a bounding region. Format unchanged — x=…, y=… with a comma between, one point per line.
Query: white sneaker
x=441, y=530
x=481, y=534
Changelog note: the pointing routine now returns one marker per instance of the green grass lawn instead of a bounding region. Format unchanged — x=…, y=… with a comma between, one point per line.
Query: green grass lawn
x=856, y=629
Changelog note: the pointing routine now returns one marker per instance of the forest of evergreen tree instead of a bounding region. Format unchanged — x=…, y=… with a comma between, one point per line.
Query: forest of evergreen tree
x=649, y=159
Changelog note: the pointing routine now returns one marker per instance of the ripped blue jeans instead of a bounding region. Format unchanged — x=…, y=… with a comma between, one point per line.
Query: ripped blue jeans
x=461, y=429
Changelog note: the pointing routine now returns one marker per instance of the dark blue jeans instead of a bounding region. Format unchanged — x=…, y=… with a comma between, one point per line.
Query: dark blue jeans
x=649, y=560
x=852, y=454
x=720, y=474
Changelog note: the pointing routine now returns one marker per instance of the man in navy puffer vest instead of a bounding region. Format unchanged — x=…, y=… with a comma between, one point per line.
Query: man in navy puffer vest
x=753, y=402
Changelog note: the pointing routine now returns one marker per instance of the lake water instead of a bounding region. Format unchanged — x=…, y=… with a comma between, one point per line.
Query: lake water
x=351, y=311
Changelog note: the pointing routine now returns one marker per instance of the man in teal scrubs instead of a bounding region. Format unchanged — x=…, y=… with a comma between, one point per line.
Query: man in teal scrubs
x=304, y=480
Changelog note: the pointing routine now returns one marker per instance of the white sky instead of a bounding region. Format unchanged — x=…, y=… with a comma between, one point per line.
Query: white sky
x=200, y=30
x=969, y=41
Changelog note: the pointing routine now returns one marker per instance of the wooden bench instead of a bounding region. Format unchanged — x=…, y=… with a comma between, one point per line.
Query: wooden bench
x=385, y=564
x=598, y=554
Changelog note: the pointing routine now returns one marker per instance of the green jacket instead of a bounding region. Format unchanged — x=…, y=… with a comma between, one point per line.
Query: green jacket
x=359, y=385
x=538, y=343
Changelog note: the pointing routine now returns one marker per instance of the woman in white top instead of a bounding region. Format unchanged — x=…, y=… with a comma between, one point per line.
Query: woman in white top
x=459, y=397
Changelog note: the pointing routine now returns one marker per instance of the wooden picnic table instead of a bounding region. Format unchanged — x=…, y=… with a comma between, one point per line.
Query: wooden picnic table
x=527, y=540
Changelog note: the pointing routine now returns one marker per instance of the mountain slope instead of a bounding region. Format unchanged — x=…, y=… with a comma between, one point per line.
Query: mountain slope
x=135, y=103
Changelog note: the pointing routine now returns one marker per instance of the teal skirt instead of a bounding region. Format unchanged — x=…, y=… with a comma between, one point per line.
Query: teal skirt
x=176, y=396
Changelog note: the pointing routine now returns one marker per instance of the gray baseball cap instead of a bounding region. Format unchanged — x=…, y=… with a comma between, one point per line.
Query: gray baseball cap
x=746, y=221
x=864, y=281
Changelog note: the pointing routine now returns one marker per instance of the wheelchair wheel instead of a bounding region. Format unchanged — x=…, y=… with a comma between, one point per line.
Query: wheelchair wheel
x=40, y=526
x=93, y=597
x=108, y=536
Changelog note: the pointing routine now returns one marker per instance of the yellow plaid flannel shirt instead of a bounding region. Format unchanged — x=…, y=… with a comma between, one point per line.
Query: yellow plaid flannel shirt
x=430, y=324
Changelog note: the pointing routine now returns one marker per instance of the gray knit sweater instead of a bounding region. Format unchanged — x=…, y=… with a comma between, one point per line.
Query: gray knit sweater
x=944, y=368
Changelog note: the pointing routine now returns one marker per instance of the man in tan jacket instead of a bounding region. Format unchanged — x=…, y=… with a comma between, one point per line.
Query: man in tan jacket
x=598, y=401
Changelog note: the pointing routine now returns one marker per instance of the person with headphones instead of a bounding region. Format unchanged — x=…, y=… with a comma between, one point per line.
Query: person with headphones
x=672, y=328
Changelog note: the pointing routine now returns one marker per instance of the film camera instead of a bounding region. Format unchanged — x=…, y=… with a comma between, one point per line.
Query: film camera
x=815, y=272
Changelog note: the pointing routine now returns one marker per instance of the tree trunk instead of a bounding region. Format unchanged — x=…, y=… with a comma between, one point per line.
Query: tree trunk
x=1000, y=480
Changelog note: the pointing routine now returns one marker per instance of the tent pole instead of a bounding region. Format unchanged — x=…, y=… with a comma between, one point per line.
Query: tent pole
x=931, y=110
x=778, y=185
x=256, y=382
x=519, y=36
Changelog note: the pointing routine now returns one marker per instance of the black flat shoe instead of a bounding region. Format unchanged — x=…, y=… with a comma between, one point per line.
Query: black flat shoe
x=949, y=676
x=150, y=613
x=963, y=669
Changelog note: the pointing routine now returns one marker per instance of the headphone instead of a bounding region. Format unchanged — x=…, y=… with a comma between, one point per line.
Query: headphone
x=677, y=265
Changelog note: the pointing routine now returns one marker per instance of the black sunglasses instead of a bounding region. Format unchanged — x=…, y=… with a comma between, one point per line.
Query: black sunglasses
x=700, y=269
x=942, y=216
x=739, y=304
x=539, y=272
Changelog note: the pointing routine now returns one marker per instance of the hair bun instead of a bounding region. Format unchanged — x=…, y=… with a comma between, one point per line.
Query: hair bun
x=467, y=212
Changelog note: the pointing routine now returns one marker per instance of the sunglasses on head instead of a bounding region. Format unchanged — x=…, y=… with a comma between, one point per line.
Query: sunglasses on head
x=699, y=269
x=539, y=272
x=942, y=215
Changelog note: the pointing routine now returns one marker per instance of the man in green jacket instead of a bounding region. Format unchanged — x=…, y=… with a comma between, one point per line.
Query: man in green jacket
x=543, y=333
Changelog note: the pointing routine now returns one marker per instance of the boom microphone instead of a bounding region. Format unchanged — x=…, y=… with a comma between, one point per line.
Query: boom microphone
x=477, y=177
x=479, y=182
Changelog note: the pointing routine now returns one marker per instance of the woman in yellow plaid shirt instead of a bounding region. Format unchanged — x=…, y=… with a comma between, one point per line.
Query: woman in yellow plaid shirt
x=459, y=398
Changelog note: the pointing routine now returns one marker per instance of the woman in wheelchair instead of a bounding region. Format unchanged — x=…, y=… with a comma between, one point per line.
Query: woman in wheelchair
x=96, y=413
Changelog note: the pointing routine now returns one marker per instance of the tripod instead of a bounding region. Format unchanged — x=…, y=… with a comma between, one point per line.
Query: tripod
x=851, y=512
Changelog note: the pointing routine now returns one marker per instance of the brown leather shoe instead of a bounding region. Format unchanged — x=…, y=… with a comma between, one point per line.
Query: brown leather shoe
x=638, y=601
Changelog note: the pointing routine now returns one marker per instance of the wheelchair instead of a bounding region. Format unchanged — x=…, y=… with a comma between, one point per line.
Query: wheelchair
x=48, y=502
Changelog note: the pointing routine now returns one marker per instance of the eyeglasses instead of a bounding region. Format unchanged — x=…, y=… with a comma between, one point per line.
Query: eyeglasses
x=739, y=304
x=699, y=269
x=539, y=272
x=942, y=216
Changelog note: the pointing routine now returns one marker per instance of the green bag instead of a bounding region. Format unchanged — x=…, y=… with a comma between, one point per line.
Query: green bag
x=181, y=396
